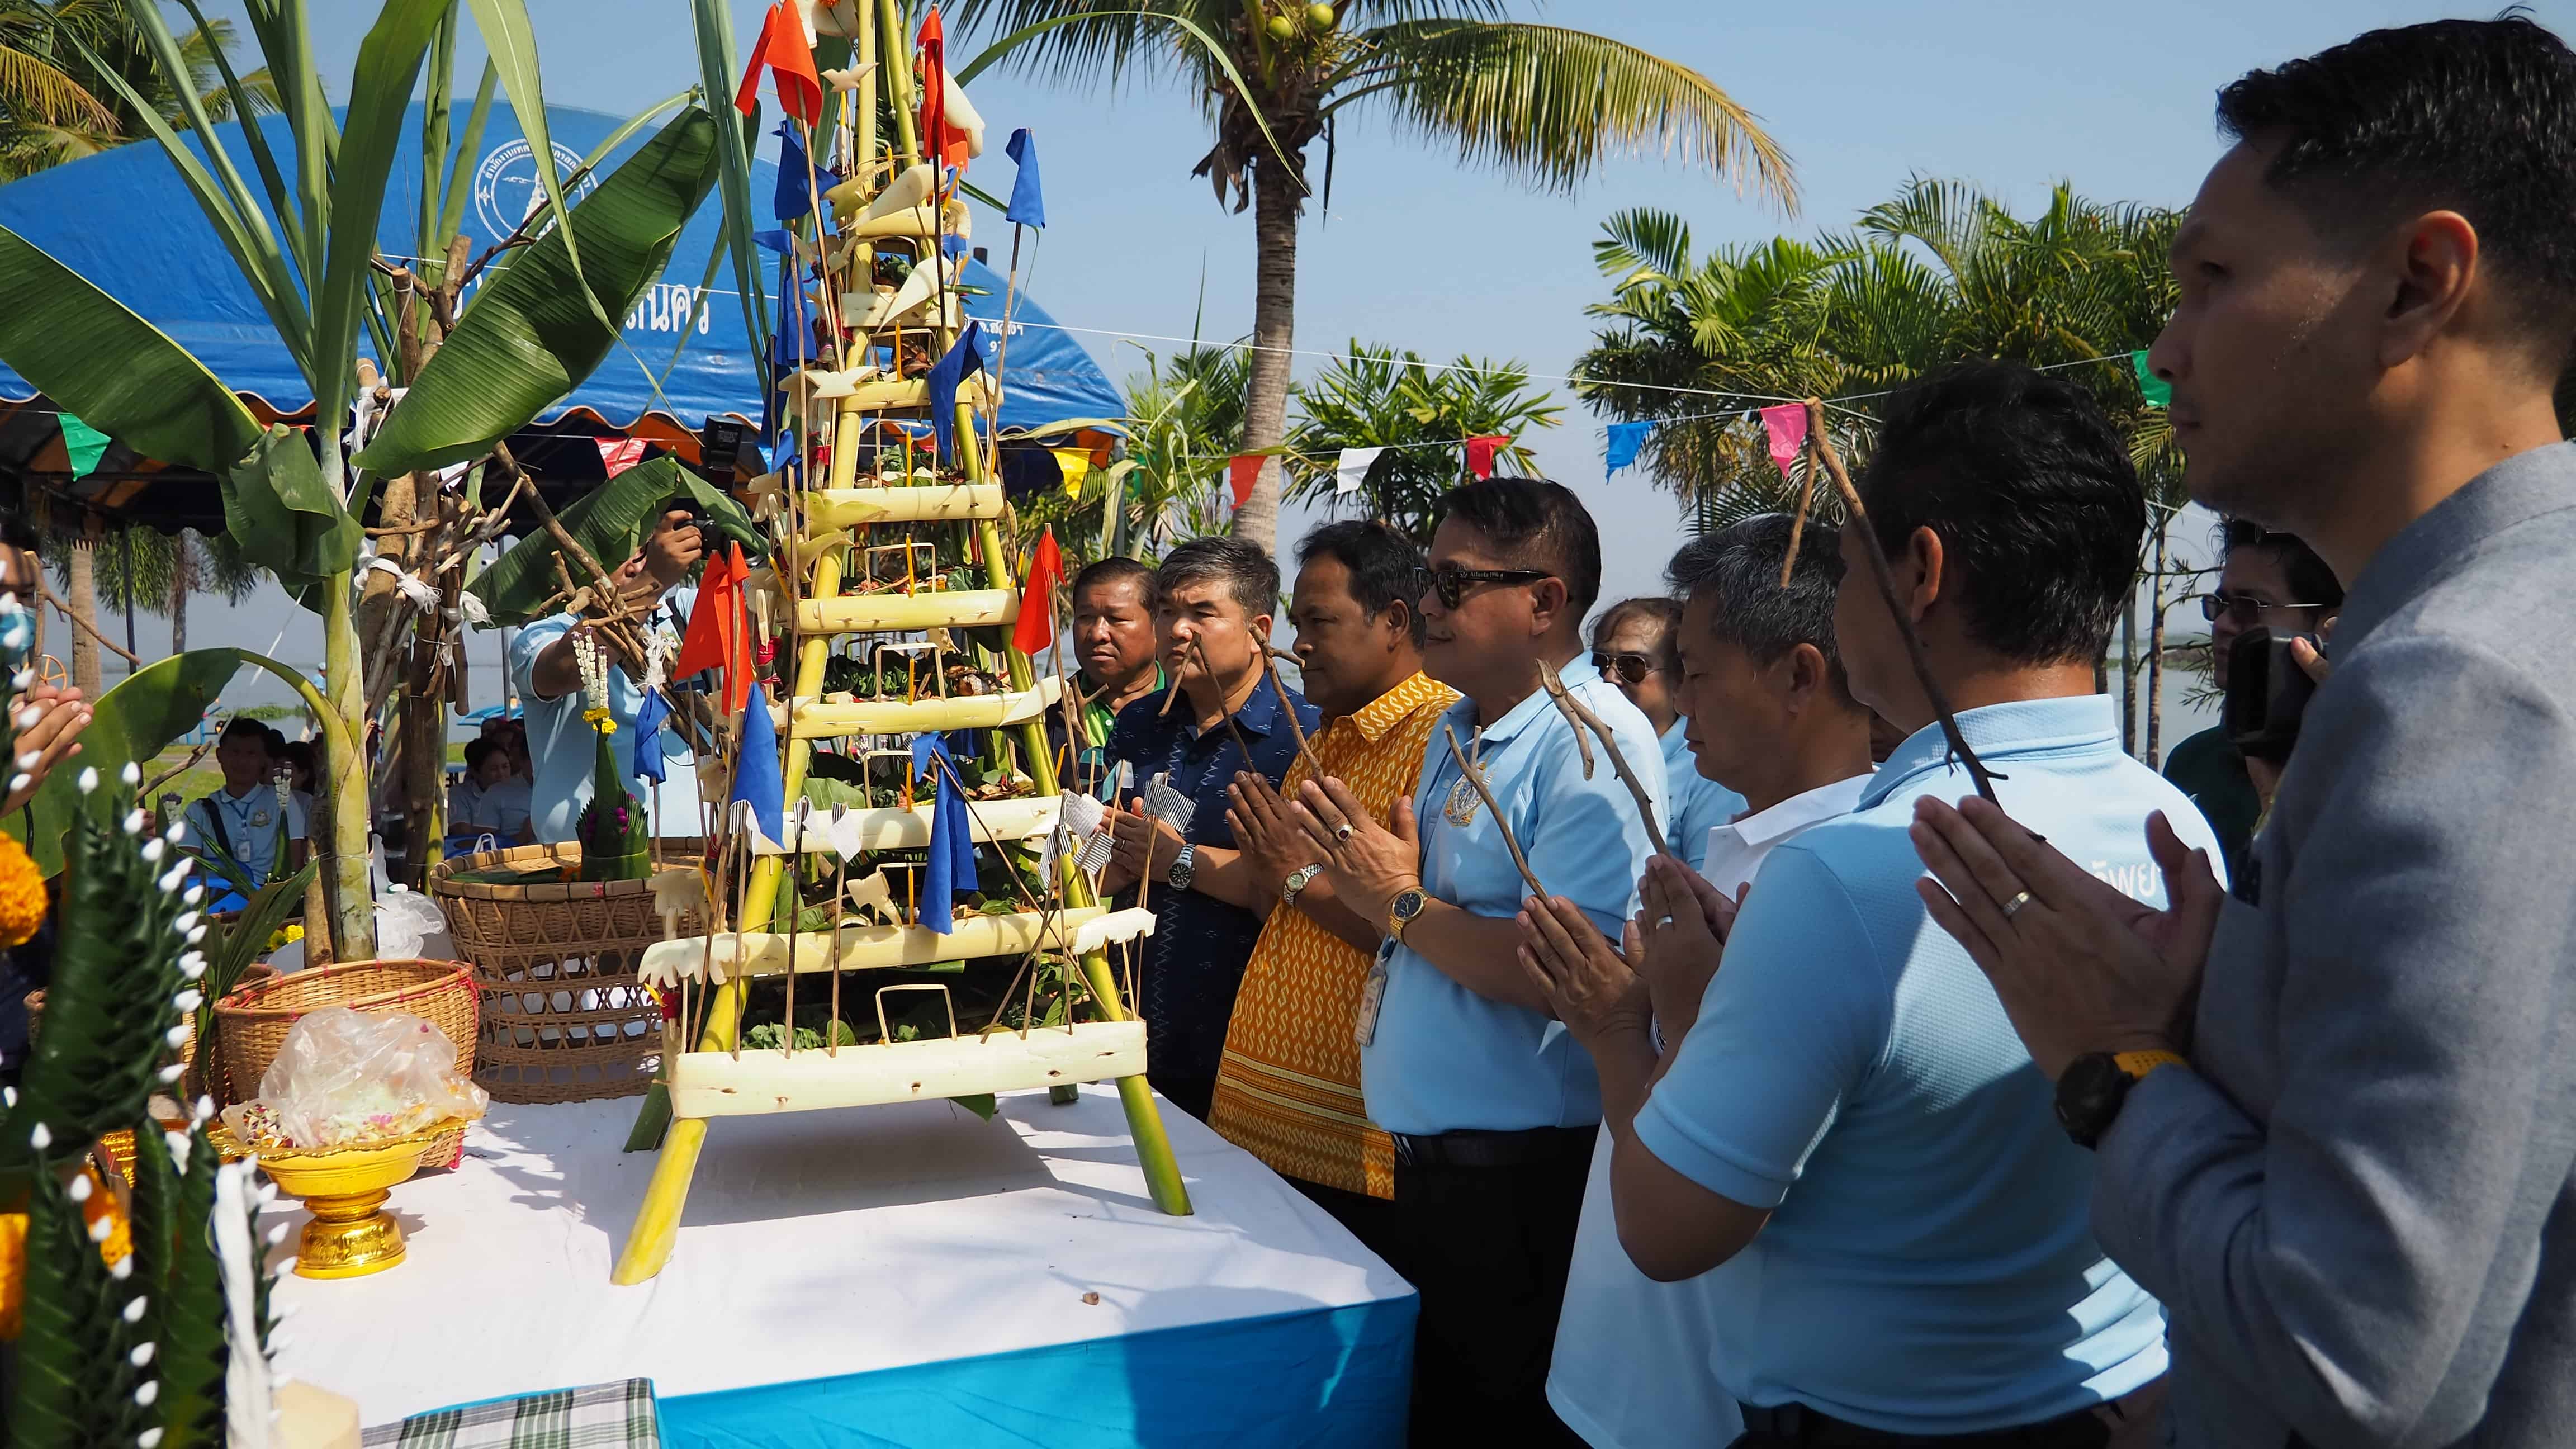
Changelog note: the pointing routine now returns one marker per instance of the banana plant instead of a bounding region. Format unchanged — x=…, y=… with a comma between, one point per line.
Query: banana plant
x=304, y=237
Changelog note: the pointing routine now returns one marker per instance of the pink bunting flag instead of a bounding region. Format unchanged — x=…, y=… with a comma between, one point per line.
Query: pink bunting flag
x=620, y=454
x=1787, y=425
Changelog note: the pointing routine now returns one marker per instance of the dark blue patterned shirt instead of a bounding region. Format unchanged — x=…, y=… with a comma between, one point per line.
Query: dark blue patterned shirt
x=1194, y=960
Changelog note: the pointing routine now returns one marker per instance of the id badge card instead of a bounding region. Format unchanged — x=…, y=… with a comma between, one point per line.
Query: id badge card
x=1372, y=999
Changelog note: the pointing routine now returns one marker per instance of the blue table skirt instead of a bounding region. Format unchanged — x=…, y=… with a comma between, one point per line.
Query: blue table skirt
x=1326, y=1377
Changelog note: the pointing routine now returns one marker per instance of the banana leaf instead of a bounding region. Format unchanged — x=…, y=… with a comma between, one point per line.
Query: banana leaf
x=93, y=356
x=610, y=521
x=285, y=517
x=135, y=721
x=531, y=335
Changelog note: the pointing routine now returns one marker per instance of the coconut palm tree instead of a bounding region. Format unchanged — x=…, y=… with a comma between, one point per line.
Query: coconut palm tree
x=1376, y=397
x=1542, y=103
x=167, y=569
x=57, y=105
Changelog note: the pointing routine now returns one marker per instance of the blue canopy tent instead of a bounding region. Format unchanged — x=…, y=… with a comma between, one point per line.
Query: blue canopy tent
x=126, y=221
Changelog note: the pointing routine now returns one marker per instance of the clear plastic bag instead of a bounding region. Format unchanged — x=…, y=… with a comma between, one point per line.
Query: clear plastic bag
x=409, y=926
x=345, y=1077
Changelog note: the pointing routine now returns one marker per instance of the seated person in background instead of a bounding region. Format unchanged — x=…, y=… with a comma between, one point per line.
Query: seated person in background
x=1113, y=637
x=492, y=800
x=1632, y=646
x=297, y=756
x=243, y=817
x=2270, y=581
x=1851, y=1126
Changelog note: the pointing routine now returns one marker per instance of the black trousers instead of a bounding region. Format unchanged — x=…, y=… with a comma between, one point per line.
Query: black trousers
x=1370, y=1219
x=1194, y=1095
x=1488, y=1249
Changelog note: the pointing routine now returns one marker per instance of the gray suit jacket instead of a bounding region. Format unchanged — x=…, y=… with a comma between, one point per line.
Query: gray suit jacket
x=2356, y=1206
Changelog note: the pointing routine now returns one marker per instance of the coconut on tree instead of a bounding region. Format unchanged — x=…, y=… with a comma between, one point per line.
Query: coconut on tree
x=1542, y=103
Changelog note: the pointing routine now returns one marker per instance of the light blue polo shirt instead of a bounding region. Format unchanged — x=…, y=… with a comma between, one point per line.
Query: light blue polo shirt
x=1929, y=1266
x=250, y=822
x=1698, y=802
x=1444, y=1058
x=560, y=748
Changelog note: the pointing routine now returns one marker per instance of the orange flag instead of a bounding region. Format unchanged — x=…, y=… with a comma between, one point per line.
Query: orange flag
x=937, y=140
x=1036, y=629
x=1244, y=470
x=790, y=61
x=719, y=637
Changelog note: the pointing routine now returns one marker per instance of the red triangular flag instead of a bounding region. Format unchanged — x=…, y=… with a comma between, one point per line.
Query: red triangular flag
x=1244, y=471
x=1480, y=453
x=620, y=454
x=718, y=637
x=938, y=141
x=790, y=61
x=1036, y=628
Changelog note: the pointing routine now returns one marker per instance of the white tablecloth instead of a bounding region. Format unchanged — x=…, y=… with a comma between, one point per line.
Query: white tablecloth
x=815, y=1245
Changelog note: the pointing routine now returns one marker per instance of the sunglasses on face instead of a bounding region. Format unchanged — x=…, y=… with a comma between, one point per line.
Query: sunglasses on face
x=1450, y=585
x=2244, y=610
x=1626, y=668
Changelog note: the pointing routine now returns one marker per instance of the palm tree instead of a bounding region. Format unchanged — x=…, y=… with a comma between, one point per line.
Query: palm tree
x=166, y=570
x=57, y=105
x=1377, y=397
x=1542, y=103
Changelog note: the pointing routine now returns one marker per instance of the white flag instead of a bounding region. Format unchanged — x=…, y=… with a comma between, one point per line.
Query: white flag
x=1351, y=470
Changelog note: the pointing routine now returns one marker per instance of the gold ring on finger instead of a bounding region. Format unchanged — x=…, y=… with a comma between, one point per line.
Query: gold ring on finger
x=2019, y=900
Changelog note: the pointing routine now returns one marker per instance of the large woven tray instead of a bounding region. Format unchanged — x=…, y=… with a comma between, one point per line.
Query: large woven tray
x=565, y=1018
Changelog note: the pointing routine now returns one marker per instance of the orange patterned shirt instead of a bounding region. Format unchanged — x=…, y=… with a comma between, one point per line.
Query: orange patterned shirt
x=1288, y=1088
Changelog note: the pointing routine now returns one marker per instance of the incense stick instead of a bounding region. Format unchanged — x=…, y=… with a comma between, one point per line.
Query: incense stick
x=1585, y=718
x=1477, y=779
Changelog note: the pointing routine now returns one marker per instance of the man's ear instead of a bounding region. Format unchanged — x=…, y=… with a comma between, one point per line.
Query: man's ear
x=1919, y=573
x=1397, y=620
x=1548, y=602
x=2431, y=266
x=1803, y=675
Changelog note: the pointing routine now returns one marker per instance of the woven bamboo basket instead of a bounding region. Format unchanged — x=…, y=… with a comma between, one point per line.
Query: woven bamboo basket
x=252, y=1022
x=192, y=1084
x=565, y=1017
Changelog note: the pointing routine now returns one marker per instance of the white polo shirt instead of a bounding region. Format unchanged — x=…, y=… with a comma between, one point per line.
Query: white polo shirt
x=1633, y=1363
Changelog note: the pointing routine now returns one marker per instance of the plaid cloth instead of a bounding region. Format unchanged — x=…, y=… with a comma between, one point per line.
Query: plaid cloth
x=602, y=1416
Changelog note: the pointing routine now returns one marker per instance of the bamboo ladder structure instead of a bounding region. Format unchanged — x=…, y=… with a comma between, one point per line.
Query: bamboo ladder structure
x=718, y=1077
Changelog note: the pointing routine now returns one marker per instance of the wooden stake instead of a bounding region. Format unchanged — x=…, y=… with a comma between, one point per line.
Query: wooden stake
x=1798, y=519
x=1476, y=778
x=1586, y=719
x=1314, y=766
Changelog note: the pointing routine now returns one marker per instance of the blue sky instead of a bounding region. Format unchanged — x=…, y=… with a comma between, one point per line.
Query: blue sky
x=1423, y=253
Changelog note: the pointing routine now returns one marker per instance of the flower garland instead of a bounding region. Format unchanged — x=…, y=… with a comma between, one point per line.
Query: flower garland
x=594, y=682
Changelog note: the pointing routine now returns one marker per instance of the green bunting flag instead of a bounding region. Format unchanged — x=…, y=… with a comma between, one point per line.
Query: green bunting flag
x=85, y=444
x=2158, y=391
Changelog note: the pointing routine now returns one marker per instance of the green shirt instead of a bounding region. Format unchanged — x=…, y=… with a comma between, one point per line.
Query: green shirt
x=1097, y=718
x=2209, y=770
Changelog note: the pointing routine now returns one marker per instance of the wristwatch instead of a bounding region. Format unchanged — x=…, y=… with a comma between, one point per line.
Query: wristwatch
x=1184, y=866
x=2090, y=1091
x=1400, y=912
x=1298, y=879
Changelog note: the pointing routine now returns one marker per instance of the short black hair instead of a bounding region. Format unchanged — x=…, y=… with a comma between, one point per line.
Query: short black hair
x=242, y=725
x=1666, y=613
x=2031, y=491
x=1738, y=568
x=1385, y=566
x=2311, y=581
x=1247, y=570
x=2472, y=116
x=1542, y=523
x=477, y=751
x=1118, y=569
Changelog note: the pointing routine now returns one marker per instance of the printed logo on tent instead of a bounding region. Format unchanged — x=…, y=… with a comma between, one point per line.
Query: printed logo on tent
x=506, y=188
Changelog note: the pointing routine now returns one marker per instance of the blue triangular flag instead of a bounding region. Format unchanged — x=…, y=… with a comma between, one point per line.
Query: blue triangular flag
x=955, y=246
x=794, y=197
x=1625, y=440
x=963, y=361
x=1028, y=204
x=952, y=838
x=755, y=771
x=648, y=737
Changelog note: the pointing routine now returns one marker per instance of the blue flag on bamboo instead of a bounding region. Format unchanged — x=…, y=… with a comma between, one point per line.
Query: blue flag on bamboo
x=1028, y=204
x=1625, y=440
x=648, y=737
x=794, y=197
x=776, y=241
x=755, y=771
x=952, y=838
x=963, y=361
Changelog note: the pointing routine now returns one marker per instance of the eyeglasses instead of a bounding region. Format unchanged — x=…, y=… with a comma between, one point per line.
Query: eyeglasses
x=1450, y=585
x=1626, y=668
x=2244, y=609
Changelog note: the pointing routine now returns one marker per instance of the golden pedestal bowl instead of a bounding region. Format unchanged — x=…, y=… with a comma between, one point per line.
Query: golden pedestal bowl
x=345, y=1188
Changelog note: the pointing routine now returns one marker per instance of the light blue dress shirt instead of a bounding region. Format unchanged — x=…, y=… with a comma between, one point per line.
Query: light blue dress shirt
x=1929, y=1266
x=559, y=740
x=1698, y=802
x=1443, y=1058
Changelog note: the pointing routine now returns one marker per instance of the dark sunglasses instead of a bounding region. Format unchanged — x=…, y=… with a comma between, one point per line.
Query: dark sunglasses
x=1450, y=585
x=1626, y=668
x=2245, y=609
